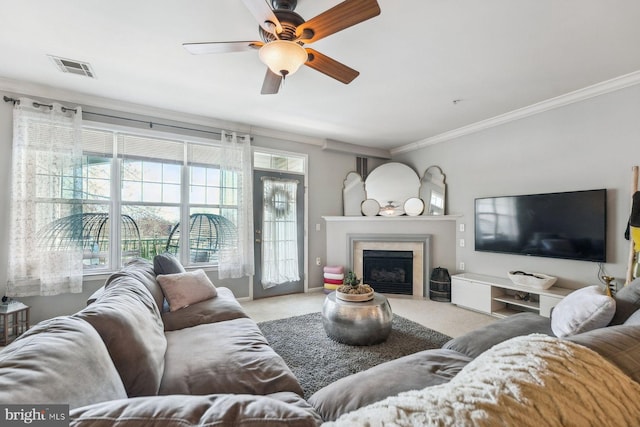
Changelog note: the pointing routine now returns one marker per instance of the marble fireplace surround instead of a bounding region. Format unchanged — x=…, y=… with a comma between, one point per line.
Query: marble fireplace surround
x=419, y=244
x=441, y=244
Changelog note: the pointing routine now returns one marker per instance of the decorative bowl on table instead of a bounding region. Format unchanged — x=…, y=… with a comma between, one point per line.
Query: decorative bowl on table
x=532, y=280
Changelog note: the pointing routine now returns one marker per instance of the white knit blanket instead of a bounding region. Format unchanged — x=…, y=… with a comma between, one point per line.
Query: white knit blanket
x=533, y=381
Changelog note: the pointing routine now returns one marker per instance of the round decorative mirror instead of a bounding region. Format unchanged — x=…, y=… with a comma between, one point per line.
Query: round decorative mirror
x=391, y=184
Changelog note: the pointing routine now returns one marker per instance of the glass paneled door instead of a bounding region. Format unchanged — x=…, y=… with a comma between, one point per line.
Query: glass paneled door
x=278, y=201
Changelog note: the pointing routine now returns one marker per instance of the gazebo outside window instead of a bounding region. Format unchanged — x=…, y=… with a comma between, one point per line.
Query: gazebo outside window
x=91, y=230
x=207, y=234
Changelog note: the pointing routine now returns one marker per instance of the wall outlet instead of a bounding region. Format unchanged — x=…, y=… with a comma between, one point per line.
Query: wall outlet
x=318, y=228
x=462, y=243
x=461, y=266
x=461, y=228
x=318, y=261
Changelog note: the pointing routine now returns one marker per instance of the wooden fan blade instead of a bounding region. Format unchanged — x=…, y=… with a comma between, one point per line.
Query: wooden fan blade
x=264, y=15
x=344, y=15
x=330, y=67
x=221, y=47
x=271, y=83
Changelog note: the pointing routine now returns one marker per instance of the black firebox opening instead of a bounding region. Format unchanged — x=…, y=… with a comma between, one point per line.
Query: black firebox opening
x=389, y=272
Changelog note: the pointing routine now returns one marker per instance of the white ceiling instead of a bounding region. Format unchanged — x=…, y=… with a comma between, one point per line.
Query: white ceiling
x=415, y=59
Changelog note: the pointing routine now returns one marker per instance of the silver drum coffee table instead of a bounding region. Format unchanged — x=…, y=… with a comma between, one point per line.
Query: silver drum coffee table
x=357, y=323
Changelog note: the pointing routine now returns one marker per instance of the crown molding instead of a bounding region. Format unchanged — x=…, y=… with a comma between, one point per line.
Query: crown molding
x=579, y=95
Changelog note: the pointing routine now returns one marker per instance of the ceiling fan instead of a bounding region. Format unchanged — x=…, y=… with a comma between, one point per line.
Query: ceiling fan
x=284, y=33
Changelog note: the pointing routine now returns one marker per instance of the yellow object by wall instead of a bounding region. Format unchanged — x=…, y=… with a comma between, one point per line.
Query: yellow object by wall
x=635, y=236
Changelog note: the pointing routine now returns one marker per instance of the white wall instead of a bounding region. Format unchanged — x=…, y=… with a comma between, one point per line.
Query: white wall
x=327, y=170
x=587, y=145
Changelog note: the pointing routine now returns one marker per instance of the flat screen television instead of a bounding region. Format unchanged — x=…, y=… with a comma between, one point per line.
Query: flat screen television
x=569, y=225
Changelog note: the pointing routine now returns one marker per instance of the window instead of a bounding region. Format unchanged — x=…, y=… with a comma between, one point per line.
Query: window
x=279, y=161
x=136, y=191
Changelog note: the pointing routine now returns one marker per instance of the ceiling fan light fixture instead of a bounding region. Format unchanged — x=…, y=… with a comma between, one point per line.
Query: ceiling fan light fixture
x=283, y=57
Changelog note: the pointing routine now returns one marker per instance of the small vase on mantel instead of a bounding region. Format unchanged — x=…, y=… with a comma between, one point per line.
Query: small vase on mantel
x=353, y=291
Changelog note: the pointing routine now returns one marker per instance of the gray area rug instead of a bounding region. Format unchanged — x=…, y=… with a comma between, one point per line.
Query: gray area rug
x=317, y=361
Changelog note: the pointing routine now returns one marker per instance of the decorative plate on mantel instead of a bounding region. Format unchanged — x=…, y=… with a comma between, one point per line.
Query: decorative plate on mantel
x=354, y=297
x=370, y=207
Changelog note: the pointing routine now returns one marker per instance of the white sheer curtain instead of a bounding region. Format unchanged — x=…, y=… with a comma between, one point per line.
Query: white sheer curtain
x=236, y=259
x=279, y=233
x=45, y=159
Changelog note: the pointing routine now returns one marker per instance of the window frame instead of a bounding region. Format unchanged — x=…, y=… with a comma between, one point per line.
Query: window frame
x=115, y=204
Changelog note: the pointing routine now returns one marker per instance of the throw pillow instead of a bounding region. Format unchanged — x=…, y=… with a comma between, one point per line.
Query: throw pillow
x=184, y=289
x=627, y=302
x=167, y=263
x=582, y=310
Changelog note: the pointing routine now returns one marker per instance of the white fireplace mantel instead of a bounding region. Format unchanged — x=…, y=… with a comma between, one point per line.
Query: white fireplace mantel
x=384, y=219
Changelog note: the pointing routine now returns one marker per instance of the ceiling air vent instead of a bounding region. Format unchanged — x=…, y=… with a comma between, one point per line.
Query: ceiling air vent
x=74, y=67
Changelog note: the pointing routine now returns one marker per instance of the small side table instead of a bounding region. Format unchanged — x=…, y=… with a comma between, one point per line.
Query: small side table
x=14, y=321
x=357, y=323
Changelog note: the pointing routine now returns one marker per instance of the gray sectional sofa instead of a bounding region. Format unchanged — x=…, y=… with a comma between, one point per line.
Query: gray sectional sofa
x=123, y=359
x=129, y=360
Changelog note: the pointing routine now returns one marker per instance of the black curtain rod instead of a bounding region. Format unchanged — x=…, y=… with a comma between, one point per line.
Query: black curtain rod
x=150, y=123
x=37, y=104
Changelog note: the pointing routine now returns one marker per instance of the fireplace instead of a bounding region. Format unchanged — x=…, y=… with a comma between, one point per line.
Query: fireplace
x=389, y=272
x=415, y=261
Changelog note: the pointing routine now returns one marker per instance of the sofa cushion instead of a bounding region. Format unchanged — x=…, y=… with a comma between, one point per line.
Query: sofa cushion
x=618, y=344
x=59, y=361
x=634, y=319
x=582, y=310
x=413, y=372
x=218, y=309
x=479, y=340
x=183, y=289
x=627, y=302
x=167, y=263
x=280, y=409
x=128, y=320
x=141, y=270
x=224, y=357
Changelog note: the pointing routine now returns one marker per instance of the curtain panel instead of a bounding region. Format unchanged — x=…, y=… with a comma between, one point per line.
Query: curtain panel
x=236, y=257
x=45, y=186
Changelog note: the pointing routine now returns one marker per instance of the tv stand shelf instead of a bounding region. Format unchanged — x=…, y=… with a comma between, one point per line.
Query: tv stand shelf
x=500, y=297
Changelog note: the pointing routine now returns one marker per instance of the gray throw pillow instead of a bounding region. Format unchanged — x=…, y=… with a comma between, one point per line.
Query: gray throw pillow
x=167, y=263
x=627, y=302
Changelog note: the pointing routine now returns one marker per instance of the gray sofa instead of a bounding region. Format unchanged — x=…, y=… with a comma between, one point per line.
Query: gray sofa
x=379, y=391
x=125, y=359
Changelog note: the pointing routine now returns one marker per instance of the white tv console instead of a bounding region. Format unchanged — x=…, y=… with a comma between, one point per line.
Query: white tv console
x=497, y=295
